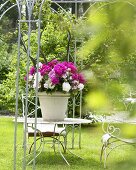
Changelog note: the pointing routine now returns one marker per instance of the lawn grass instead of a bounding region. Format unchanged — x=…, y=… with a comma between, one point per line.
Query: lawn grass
x=121, y=158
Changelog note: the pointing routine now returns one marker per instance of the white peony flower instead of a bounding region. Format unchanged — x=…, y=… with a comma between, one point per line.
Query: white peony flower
x=34, y=85
x=80, y=86
x=30, y=77
x=70, y=77
x=69, y=69
x=75, y=82
x=51, y=86
x=39, y=77
x=46, y=85
x=74, y=87
x=35, y=80
x=40, y=65
x=67, y=73
x=64, y=76
x=66, y=86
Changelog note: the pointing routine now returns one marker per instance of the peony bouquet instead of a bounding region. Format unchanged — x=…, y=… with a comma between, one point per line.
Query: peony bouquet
x=56, y=76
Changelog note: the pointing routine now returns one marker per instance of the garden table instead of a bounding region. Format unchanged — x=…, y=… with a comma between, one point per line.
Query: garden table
x=67, y=122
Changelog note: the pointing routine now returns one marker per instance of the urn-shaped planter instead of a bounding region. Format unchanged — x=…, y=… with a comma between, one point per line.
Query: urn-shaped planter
x=53, y=106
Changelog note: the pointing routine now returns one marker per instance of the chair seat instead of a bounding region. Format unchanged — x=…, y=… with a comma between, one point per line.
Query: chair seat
x=47, y=130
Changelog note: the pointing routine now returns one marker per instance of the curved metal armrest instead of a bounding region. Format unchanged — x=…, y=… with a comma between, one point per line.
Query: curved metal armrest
x=111, y=140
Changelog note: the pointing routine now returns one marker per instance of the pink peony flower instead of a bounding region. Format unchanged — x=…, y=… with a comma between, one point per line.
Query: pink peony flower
x=52, y=63
x=32, y=70
x=55, y=80
x=75, y=76
x=56, y=75
x=60, y=69
x=81, y=78
x=25, y=78
x=52, y=74
x=45, y=69
x=78, y=77
x=72, y=67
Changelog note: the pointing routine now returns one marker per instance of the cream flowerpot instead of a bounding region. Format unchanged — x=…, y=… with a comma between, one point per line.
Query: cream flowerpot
x=53, y=106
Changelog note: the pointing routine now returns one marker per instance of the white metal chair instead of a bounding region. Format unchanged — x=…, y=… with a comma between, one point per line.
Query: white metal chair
x=112, y=140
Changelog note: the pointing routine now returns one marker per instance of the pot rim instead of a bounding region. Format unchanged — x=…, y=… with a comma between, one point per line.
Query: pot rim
x=60, y=94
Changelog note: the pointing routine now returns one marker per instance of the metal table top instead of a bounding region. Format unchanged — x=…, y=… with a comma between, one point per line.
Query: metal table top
x=65, y=121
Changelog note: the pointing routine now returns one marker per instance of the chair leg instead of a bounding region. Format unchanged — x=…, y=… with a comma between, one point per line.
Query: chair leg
x=105, y=157
x=103, y=151
x=101, y=156
x=62, y=144
x=33, y=144
x=65, y=143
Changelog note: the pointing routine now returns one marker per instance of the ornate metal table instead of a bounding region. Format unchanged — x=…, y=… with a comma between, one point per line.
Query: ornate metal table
x=67, y=122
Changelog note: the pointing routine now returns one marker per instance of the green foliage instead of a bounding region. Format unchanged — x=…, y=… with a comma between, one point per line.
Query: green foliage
x=55, y=27
x=53, y=44
x=109, y=51
x=4, y=60
x=7, y=87
x=6, y=57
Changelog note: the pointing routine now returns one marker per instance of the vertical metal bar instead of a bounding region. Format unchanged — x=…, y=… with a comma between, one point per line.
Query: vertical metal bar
x=17, y=88
x=68, y=50
x=27, y=91
x=76, y=13
x=17, y=94
x=75, y=50
x=28, y=64
x=73, y=127
x=81, y=96
x=79, y=141
x=74, y=107
x=74, y=99
x=36, y=92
